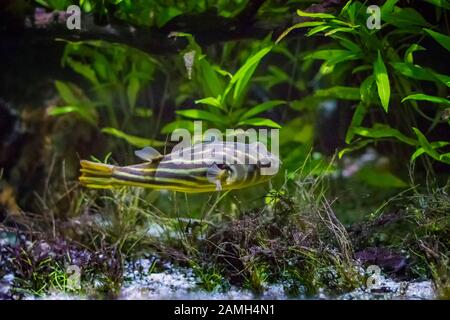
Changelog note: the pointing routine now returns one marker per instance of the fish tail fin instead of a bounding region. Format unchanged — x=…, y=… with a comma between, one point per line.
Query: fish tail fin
x=96, y=175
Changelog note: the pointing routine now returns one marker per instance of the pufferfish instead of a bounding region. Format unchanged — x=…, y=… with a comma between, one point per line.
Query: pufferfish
x=213, y=166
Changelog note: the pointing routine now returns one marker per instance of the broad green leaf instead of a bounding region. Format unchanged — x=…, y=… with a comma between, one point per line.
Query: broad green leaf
x=298, y=26
x=379, y=131
x=425, y=97
x=357, y=119
x=138, y=142
x=201, y=115
x=315, y=15
x=443, y=39
x=261, y=108
x=409, y=52
x=211, y=101
x=382, y=80
x=260, y=122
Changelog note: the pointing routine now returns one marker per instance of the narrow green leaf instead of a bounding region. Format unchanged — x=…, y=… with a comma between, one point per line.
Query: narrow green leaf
x=315, y=15
x=66, y=93
x=261, y=108
x=382, y=80
x=138, y=142
x=298, y=26
x=357, y=119
x=365, y=89
x=260, y=122
x=427, y=147
x=425, y=97
x=442, y=39
x=379, y=131
x=434, y=145
x=211, y=101
x=201, y=115
x=132, y=91
x=440, y=3
x=242, y=77
x=409, y=52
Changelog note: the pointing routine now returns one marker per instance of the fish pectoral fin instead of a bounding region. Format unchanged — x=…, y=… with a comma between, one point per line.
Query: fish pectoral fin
x=215, y=175
x=149, y=154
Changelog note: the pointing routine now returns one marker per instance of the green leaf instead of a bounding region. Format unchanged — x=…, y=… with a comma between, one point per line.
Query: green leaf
x=355, y=146
x=66, y=93
x=261, y=108
x=178, y=124
x=167, y=14
x=298, y=26
x=201, y=115
x=379, y=131
x=315, y=15
x=388, y=6
x=260, y=122
x=132, y=91
x=339, y=92
x=138, y=142
x=434, y=145
x=317, y=29
x=440, y=3
x=405, y=18
x=85, y=113
x=83, y=69
x=211, y=101
x=357, y=119
x=427, y=147
x=425, y=97
x=409, y=52
x=242, y=77
x=382, y=80
x=442, y=39
x=365, y=89
x=419, y=73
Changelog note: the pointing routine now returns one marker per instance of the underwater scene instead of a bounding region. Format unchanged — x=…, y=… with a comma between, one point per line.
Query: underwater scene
x=224, y=149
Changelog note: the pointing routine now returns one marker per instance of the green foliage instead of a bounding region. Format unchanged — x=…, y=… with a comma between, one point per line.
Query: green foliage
x=375, y=55
x=226, y=93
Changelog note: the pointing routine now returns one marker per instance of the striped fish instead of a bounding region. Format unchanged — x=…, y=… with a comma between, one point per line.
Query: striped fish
x=202, y=167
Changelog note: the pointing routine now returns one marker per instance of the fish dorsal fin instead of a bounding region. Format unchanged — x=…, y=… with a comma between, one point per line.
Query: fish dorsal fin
x=149, y=154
